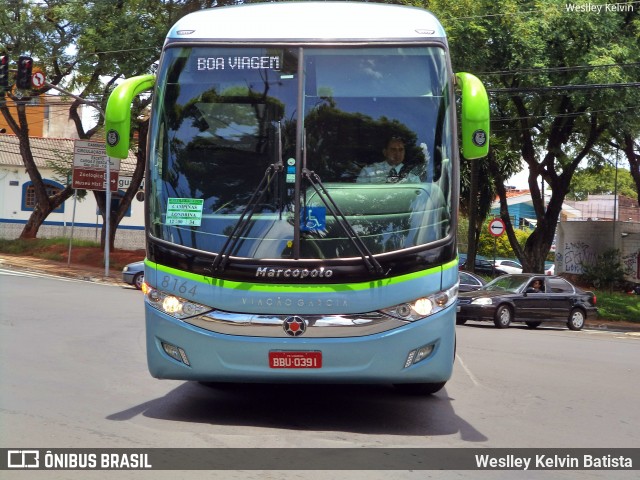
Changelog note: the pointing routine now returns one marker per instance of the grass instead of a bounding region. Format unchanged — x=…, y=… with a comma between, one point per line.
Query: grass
x=618, y=306
x=32, y=246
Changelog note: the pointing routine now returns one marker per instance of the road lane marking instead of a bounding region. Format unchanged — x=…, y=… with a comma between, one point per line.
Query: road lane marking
x=16, y=273
x=468, y=372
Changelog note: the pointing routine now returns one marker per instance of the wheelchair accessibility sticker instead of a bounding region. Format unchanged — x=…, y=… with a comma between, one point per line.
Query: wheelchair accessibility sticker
x=313, y=219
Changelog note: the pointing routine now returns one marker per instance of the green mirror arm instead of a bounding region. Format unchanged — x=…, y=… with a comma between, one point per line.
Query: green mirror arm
x=475, y=117
x=118, y=113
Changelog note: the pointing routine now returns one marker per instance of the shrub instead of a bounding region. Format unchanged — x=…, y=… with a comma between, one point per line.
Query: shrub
x=606, y=272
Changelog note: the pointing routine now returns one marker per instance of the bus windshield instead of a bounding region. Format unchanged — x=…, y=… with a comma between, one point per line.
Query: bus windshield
x=235, y=129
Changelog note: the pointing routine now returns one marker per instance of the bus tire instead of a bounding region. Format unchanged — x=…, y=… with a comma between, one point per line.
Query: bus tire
x=419, y=388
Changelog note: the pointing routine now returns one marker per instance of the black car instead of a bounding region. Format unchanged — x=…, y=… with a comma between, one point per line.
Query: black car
x=470, y=282
x=483, y=266
x=512, y=298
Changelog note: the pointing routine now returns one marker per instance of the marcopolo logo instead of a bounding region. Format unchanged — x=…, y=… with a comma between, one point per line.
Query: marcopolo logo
x=294, y=326
x=113, y=138
x=293, y=272
x=479, y=138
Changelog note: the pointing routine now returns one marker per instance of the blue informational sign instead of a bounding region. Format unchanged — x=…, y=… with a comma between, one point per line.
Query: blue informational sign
x=313, y=219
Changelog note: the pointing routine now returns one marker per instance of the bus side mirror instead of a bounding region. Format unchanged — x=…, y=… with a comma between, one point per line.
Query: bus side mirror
x=117, y=116
x=474, y=117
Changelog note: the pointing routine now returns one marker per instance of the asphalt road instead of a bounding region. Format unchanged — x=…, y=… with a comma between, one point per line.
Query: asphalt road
x=73, y=375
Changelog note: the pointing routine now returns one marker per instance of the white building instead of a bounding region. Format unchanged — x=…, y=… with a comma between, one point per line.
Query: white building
x=17, y=197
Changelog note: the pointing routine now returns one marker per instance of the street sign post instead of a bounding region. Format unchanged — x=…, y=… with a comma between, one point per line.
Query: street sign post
x=92, y=170
x=90, y=166
x=496, y=228
x=37, y=79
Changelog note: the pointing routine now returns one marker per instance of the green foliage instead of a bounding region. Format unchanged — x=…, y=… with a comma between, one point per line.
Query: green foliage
x=463, y=232
x=535, y=57
x=30, y=246
x=618, y=306
x=62, y=166
x=501, y=244
x=602, y=180
x=606, y=272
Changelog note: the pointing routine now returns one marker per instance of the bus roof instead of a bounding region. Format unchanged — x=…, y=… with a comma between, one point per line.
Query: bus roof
x=300, y=22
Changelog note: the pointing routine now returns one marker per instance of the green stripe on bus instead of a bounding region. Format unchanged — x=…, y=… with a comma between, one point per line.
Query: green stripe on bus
x=319, y=288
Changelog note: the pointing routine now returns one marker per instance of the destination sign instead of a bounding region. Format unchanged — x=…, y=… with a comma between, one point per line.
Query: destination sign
x=265, y=62
x=184, y=211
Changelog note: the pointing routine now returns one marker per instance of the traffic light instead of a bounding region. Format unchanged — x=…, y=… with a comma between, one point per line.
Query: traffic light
x=4, y=73
x=23, y=80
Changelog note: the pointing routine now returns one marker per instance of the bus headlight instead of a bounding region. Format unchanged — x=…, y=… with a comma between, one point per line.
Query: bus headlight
x=424, y=306
x=173, y=305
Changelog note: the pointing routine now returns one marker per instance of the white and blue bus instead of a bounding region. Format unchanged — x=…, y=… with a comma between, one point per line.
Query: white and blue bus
x=278, y=248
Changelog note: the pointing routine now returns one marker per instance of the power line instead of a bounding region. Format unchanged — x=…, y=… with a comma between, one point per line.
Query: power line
x=592, y=86
x=571, y=68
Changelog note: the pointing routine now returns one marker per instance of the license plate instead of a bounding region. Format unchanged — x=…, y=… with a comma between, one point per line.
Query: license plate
x=279, y=359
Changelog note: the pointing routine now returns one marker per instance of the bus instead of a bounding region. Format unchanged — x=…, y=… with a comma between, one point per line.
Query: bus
x=271, y=256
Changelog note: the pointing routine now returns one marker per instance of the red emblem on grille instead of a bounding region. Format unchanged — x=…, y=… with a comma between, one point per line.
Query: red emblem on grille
x=294, y=326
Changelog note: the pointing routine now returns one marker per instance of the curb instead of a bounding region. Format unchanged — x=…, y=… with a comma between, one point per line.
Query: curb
x=58, y=271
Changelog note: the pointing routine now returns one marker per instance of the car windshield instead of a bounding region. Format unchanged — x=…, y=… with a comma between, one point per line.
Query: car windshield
x=507, y=283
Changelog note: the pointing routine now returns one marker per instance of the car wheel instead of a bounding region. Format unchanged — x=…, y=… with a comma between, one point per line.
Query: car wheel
x=461, y=321
x=138, y=280
x=503, y=316
x=576, y=319
x=533, y=324
x=419, y=388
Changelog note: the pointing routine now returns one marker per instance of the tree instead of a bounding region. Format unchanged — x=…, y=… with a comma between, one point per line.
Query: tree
x=80, y=45
x=548, y=71
x=602, y=179
x=25, y=28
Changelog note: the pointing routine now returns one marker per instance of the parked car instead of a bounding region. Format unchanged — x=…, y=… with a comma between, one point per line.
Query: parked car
x=133, y=274
x=470, y=282
x=511, y=298
x=483, y=266
x=508, y=266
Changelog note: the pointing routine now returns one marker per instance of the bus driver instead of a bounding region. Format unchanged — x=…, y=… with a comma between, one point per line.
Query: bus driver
x=392, y=169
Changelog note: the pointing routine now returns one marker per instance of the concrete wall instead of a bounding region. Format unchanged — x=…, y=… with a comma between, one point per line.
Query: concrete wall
x=580, y=242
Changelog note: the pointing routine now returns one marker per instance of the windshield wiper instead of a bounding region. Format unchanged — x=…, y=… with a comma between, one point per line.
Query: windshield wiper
x=367, y=257
x=242, y=224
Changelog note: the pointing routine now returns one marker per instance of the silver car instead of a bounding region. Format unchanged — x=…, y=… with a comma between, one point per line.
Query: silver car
x=133, y=274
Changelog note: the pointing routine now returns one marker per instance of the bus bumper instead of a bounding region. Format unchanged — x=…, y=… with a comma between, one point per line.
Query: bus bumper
x=379, y=358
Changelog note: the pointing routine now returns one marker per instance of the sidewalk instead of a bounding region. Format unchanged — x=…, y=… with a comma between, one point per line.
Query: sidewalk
x=93, y=274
